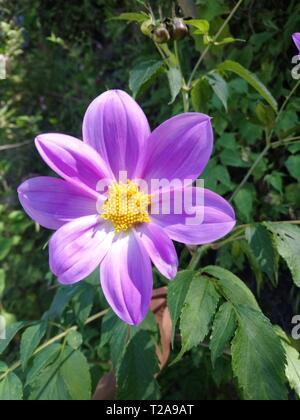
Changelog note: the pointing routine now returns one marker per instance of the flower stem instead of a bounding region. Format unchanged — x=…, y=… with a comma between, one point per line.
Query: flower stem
x=200, y=252
x=215, y=38
x=251, y=170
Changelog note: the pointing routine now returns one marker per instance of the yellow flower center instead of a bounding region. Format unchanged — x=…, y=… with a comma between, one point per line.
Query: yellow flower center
x=126, y=206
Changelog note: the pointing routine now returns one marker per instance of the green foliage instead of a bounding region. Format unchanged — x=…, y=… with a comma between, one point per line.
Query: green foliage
x=258, y=358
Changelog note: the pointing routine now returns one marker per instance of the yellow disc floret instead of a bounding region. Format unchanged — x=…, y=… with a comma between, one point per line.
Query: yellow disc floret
x=126, y=206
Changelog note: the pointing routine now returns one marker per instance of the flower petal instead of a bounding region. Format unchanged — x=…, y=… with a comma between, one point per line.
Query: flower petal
x=117, y=128
x=296, y=38
x=52, y=202
x=195, y=223
x=73, y=160
x=160, y=248
x=78, y=248
x=179, y=148
x=126, y=279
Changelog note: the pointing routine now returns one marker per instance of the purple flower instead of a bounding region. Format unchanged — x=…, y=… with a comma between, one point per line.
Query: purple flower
x=296, y=38
x=117, y=137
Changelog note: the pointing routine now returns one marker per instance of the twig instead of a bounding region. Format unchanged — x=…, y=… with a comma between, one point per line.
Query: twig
x=15, y=146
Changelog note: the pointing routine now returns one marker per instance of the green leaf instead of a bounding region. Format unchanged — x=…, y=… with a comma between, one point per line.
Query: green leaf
x=2, y=282
x=143, y=75
x=231, y=287
x=5, y=247
x=258, y=358
x=177, y=292
x=261, y=244
x=137, y=370
x=199, y=308
x=201, y=95
x=265, y=115
x=66, y=377
x=84, y=304
x=76, y=375
x=31, y=338
x=115, y=333
x=41, y=361
x=74, y=339
x=61, y=300
x=132, y=17
x=244, y=202
x=223, y=330
x=251, y=79
x=201, y=25
x=175, y=83
x=11, y=331
x=292, y=369
x=286, y=239
x=220, y=87
x=293, y=166
x=11, y=388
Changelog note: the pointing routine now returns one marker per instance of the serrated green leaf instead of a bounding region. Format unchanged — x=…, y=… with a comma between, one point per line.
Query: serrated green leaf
x=232, y=288
x=292, y=369
x=137, y=370
x=11, y=388
x=76, y=375
x=175, y=83
x=258, y=358
x=251, y=79
x=220, y=87
x=177, y=292
x=143, y=75
x=261, y=244
x=223, y=330
x=132, y=17
x=199, y=308
x=286, y=239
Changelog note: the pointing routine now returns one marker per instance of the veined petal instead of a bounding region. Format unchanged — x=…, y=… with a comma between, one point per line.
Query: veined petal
x=296, y=38
x=179, y=148
x=117, y=128
x=196, y=216
x=126, y=279
x=159, y=247
x=78, y=248
x=52, y=202
x=73, y=160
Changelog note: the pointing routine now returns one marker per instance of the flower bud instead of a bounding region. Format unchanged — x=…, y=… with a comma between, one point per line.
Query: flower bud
x=161, y=34
x=178, y=29
x=147, y=27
